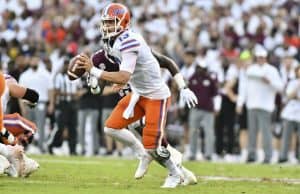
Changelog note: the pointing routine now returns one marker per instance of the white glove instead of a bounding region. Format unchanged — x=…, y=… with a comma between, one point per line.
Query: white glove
x=92, y=82
x=188, y=97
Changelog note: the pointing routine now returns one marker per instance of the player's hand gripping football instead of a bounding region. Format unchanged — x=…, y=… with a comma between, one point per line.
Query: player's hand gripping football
x=84, y=62
x=188, y=97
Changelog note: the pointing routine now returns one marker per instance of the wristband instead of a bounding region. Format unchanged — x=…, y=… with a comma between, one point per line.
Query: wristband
x=96, y=72
x=31, y=95
x=179, y=81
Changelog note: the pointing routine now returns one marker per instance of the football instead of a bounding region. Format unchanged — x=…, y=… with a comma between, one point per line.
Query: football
x=73, y=71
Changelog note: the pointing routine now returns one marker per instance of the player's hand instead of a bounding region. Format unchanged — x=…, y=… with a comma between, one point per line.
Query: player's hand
x=84, y=62
x=188, y=97
x=92, y=81
x=124, y=90
x=118, y=87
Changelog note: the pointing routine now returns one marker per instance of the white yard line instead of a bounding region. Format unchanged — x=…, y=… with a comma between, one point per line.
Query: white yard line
x=240, y=179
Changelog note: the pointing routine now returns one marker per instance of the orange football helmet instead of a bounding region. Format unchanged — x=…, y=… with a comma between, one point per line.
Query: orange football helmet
x=115, y=18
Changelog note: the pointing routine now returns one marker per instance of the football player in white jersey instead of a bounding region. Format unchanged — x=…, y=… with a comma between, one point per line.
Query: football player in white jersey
x=150, y=95
x=102, y=60
x=17, y=130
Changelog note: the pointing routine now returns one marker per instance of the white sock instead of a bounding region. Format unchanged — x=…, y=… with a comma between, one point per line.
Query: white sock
x=172, y=167
x=127, y=137
x=176, y=156
x=3, y=150
x=166, y=163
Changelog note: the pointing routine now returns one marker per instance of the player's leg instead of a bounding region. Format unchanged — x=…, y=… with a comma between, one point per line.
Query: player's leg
x=22, y=129
x=189, y=177
x=175, y=155
x=154, y=139
x=4, y=164
x=14, y=154
x=115, y=126
x=137, y=129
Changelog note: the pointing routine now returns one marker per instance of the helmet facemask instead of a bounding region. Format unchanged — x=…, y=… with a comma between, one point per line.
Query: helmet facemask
x=110, y=27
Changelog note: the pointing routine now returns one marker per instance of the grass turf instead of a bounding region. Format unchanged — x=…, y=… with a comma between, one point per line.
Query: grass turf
x=108, y=175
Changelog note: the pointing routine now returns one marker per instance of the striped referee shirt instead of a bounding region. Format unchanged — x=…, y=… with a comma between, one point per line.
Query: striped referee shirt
x=65, y=86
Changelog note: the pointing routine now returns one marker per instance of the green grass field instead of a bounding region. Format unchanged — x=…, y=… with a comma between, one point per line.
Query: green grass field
x=72, y=175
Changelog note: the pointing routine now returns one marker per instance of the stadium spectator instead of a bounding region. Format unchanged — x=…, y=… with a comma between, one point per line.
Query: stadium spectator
x=204, y=85
x=291, y=119
x=261, y=85
x=39, y=79
x=225, y=134
x=243, y=62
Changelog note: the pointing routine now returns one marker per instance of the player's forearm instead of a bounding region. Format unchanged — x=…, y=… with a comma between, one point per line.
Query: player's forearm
x=16, y=90
x=166, y=62
x=120, y=77
x=109, y=90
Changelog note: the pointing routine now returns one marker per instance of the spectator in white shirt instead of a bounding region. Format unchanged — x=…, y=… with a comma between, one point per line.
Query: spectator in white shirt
x=39, y=79
x=262, y=82
x=291, y=119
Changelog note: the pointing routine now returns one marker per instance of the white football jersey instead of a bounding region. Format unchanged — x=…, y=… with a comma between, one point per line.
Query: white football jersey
x=146, y=77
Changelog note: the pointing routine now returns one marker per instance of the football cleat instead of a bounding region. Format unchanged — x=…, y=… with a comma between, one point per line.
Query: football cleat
x=30, y=166
x=172, y=181
x=15, y=157
x=189, y=177
x=145, y=160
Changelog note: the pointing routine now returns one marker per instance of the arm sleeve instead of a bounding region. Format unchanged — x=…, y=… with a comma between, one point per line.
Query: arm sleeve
x=276, y=81
x=128, y=62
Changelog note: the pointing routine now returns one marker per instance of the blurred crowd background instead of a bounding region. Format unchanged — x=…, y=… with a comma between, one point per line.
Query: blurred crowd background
x=240, y=57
